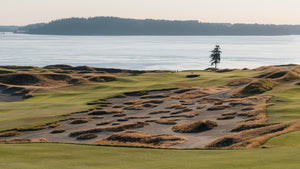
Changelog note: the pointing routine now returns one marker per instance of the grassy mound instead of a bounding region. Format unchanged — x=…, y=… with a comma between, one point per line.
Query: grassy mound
x=137, y=138
x=227, y=117
x=38, y=79
x=255, y=87
x=240, y=81
x=24, y=140
x=107, y=111
x=104, y=123
x=243, y=136
x=115, y=128
x=186, y=115
x=194, y=127
x=176, y=106
x=10, y=134
x=181, y=111
x=170, y=121
x=79, y=121
x=87, y=136
x=58, y=131
x=248, y=126
x=159, y=111
x=219, y=107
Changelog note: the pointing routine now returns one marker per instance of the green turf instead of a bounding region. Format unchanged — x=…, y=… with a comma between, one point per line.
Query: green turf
x=47, y=105
x=289, y=139
x=15, y=156
x=286, y=107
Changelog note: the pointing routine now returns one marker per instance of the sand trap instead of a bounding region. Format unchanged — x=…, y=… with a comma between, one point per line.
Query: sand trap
x=9, y=96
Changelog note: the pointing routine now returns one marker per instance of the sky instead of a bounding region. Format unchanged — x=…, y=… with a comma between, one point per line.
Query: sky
x=23, y=12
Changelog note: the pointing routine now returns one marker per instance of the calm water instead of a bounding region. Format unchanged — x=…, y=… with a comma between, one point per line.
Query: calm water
x=148, y=52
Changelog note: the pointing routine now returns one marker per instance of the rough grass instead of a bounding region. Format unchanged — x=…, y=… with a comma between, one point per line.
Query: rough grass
x=87, y=136
x=229, y=113
x=194, y=127
x=186, y=115
x=234, y=139
x=201, y=106
x=103, y=123
x=136, y=138
x=107, y=111
x=79, y=121
x=240, y=81
x=176, y=106
x=227, y=117
x=181, y=111
x=169, y=121
x=210, y=100
x=115, y=128
x=24, y=140
x=219, y=107
x=159, y=111
x=255, y=87
x=10, y=134
x=49, y=156
x=58, y=131
x=248, y=126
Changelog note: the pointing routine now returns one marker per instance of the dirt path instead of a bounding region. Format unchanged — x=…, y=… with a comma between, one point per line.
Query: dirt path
x=196, y=140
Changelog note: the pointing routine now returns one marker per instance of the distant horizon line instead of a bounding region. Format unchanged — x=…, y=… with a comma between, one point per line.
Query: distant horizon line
x=231, y=23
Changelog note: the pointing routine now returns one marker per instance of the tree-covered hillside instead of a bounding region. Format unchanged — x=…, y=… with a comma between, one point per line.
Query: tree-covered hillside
x=121, y=26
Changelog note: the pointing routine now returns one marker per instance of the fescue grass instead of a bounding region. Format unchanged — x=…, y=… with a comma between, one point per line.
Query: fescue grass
x=79, y=121
x=286, y=107
x=10, y=134
x=49, y=156
x=87, y=136
x=194, y=127
x=58, y=131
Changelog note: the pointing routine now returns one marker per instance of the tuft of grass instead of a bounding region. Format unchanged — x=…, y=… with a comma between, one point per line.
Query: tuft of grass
x=87, y=136
x=79, y=121
x=10, y=134
x=194, y=127
x=115, y=128
x=58, y=131
x=227, y=117
x=219, y=107
x=137, y=138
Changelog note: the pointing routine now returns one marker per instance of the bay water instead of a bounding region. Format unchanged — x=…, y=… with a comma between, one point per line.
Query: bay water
x=148, y=52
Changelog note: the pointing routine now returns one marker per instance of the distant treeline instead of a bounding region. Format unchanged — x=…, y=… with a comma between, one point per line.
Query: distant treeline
x=121, y=26
x=8, y=28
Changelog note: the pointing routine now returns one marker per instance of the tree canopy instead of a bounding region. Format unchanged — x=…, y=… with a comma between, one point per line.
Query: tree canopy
x=215, y=56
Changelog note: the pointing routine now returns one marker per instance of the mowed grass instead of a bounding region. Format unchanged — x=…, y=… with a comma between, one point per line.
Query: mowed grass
x=286, y=108
x=286, y=103
x=15, y=156
x=48, y=105
x=289, y=139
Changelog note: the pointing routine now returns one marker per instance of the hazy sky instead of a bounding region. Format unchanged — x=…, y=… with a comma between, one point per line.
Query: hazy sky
x=22, y=12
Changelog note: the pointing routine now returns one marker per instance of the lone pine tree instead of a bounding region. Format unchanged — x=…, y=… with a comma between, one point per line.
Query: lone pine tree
x=215, y=56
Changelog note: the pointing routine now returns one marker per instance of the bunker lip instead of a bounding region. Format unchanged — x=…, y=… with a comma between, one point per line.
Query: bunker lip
x=8, y=95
